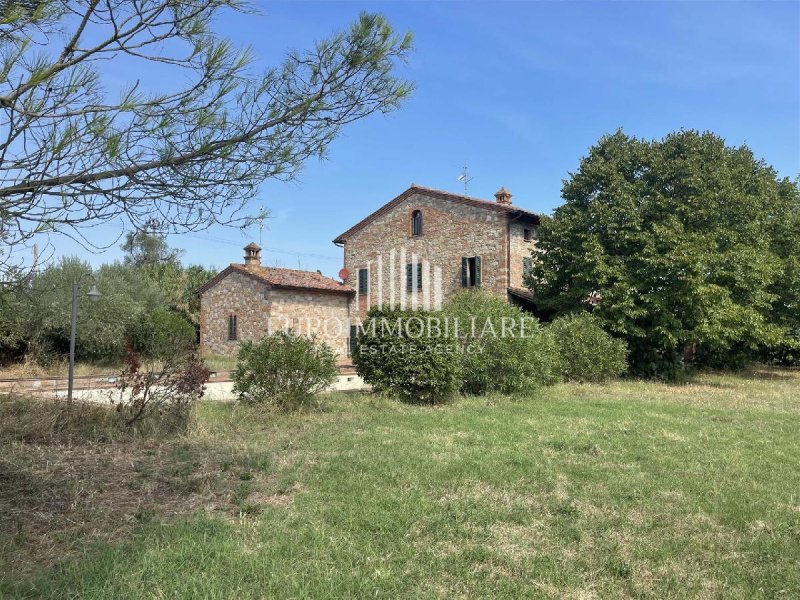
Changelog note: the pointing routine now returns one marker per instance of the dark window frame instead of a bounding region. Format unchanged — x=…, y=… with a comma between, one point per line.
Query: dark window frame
x=417, y=228
x=409, y=275
x=526, y=235
x=363, y=281
x=471, y=271
x=233, y=327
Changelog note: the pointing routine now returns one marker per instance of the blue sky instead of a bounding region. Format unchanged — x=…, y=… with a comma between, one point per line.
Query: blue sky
x=519, y=90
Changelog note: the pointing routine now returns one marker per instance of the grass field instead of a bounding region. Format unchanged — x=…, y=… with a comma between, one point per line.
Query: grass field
x=632, y=489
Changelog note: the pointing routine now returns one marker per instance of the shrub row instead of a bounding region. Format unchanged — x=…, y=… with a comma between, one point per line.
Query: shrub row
x=477, y=345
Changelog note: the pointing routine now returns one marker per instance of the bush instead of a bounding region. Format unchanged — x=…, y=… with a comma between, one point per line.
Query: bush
x=397, y=353
x=503, y=349
x=160, y=334
x=784, y=351
x=587, y=352
x=283, y=369
x=158, y=398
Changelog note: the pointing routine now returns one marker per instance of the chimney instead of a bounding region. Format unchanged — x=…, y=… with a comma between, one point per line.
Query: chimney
x=252, y=255
x=503, y=196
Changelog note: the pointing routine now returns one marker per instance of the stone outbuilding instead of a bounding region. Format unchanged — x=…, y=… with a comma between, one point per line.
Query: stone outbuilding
x=248, y=301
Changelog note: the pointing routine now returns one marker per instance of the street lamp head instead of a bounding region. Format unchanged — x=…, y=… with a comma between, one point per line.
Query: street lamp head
x=94, y=294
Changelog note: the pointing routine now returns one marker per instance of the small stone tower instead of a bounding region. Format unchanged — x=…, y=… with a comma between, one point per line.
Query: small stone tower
x=503, y=196
x=252, y=255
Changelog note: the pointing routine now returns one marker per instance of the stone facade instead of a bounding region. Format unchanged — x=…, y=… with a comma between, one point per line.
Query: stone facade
x=456, y=232
x=265, y=300
x=452, y=230
x=519, y=249
x=237, y=295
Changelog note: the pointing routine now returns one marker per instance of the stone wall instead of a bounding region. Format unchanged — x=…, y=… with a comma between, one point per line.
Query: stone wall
x=450, y=231
x=309, y=311
x=518, y=250
x=235, y=294
x=259, y=310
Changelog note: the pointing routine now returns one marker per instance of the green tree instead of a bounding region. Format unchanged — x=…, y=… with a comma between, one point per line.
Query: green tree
x=102, y=325
x=677, y=240
x=147, y=249
x=76, y=151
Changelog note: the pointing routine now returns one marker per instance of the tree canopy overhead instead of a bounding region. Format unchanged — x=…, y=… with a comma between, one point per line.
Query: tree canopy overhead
x=688, y=244
x=75, y=152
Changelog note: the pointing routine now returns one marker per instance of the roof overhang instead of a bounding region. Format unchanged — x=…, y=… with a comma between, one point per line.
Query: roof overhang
x=512, y=211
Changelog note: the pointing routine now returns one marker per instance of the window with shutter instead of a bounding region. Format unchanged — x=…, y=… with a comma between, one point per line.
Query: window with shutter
x=233, y=332
x=471, y=271
x=363, y=281
x=527, y=265
x=411, y=270
x=352, y=340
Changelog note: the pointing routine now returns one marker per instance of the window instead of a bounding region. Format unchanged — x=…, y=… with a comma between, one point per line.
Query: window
x=471, y=271
x=352, y=340
x=363, y=281
x=410, y=269
x=416, y=222
x=526, y=234
x=233, y=333
x=527, y=266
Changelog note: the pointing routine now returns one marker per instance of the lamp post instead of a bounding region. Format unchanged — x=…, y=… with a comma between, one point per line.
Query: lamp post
x=94, y=296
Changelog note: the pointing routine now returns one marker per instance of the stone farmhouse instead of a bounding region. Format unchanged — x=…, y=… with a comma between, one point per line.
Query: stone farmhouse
x=414, y=251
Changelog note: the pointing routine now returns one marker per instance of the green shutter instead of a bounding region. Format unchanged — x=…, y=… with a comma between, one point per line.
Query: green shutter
x=409, y=271
x=464, y=271
x=352, y=340
x=419, y=277
x=527, y=265
x=478, y=275
x=363, y=281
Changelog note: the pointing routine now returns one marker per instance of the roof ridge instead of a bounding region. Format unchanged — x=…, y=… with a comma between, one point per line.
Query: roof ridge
x=479, y=202
x=445, y=192
x=280, y=277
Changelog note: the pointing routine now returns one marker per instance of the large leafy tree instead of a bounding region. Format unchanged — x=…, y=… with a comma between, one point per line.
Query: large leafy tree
x=684, y=244
x=75, y=150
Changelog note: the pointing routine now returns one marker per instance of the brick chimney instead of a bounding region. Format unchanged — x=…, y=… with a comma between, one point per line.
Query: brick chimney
x=503, y=196
x=252, y=255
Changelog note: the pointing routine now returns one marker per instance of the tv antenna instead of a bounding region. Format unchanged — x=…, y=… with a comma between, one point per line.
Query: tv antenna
x=262, y=214
x=465, y=177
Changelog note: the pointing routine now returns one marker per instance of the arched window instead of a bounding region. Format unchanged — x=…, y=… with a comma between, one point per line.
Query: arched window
x=416, y=222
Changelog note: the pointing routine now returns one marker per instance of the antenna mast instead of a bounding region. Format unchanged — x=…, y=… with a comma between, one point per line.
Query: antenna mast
x=261, y=216
x=465, y=177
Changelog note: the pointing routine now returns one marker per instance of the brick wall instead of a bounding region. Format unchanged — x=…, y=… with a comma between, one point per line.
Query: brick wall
x=450, y=232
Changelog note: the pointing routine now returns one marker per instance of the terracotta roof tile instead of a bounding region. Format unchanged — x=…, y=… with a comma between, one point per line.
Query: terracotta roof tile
x=442, y=195
x=282, y=278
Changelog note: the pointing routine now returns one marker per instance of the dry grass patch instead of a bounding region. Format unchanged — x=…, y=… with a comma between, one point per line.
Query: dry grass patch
x=69, y=478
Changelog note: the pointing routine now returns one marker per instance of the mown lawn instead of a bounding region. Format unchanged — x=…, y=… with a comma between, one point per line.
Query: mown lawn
x=627, y=490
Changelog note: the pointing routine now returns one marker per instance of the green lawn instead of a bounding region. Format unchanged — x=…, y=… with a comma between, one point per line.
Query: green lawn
x=627, y=490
